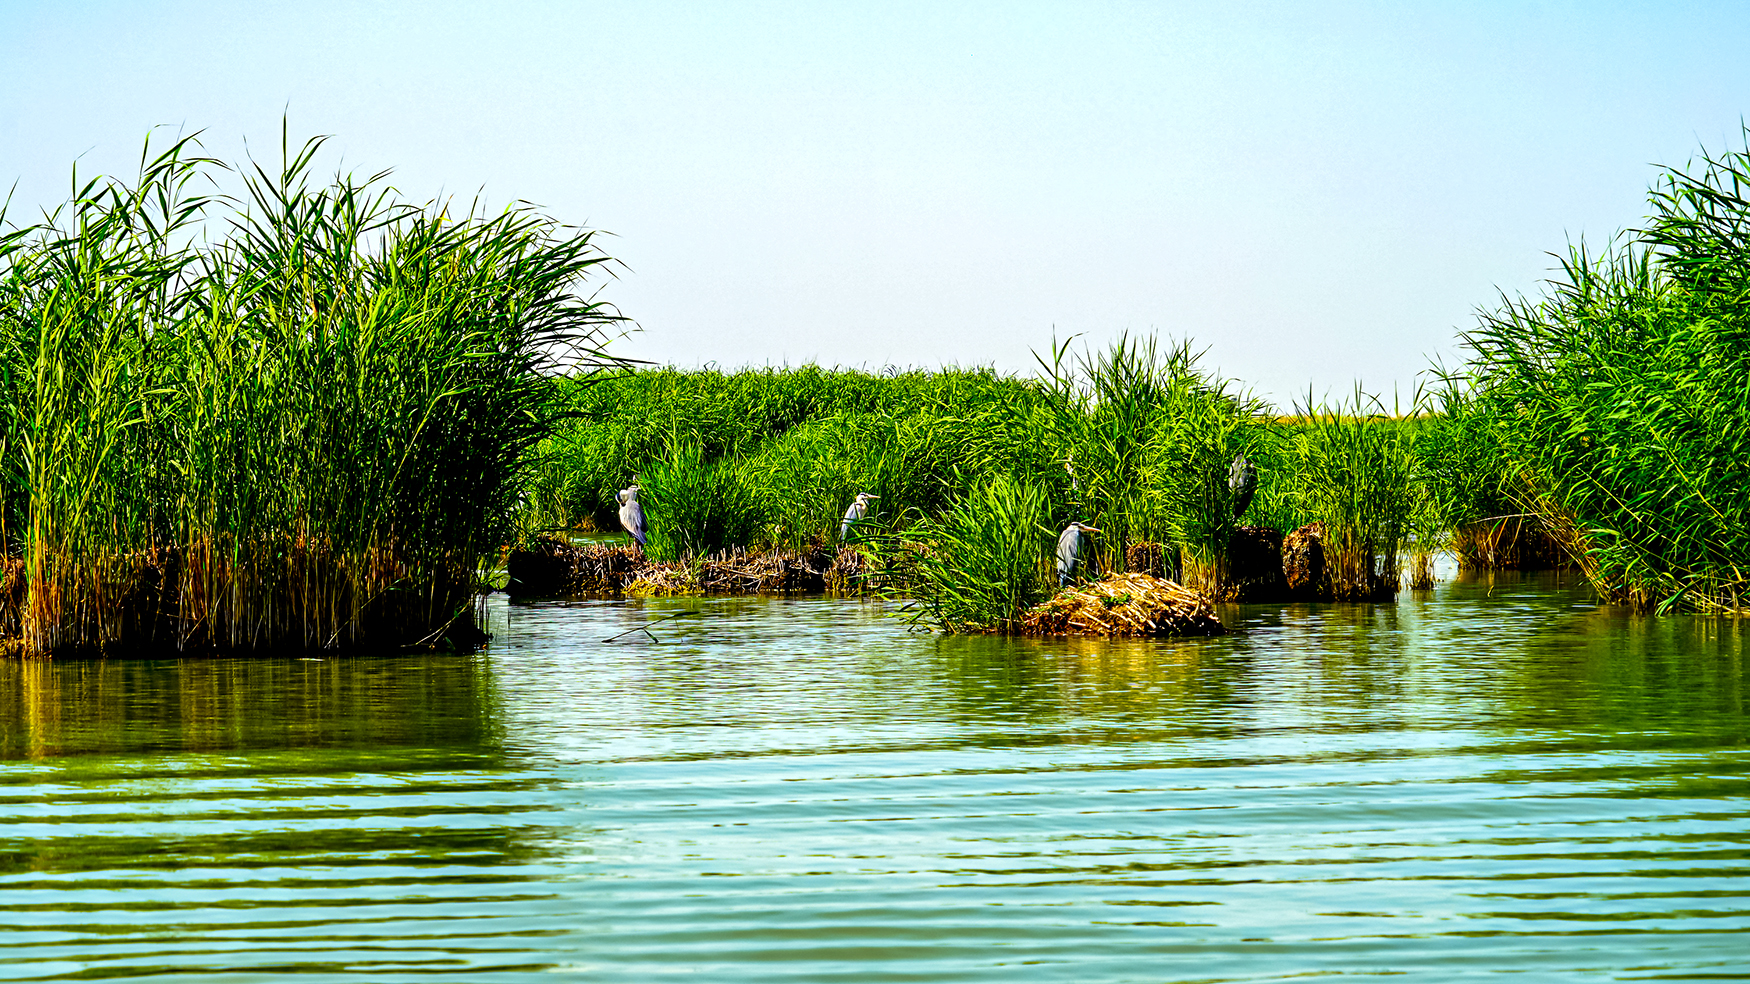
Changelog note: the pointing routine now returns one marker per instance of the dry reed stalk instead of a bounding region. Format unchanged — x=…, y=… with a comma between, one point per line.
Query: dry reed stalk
x=1145, y=557
x=1421, y=570
x=213, y=596
x=1520, y=543
x=1134, y=605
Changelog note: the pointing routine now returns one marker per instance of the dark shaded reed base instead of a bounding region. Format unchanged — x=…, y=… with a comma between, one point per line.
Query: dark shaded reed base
x=555, y=569
x=1264, y=566
x=272, y=600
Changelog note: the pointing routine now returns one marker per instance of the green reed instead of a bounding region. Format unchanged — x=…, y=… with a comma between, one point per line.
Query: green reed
x=1620, y=396
x=1149, y=437
x=1355, y=474
x=984, y=562
x=293, y=418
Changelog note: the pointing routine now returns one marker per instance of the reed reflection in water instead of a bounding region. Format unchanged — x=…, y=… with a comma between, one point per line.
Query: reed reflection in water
x=1492, y=777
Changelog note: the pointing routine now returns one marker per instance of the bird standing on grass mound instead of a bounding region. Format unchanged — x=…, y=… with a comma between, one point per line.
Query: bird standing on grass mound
x=1242, y=481
x=1069, y=550
x=858, y=510
x=632, y=514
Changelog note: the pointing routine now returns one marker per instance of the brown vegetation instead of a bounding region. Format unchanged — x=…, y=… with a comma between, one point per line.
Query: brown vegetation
x=1125, y=605
x=552, y=568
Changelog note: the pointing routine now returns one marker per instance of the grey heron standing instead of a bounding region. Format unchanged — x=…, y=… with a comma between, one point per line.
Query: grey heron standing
x=855, y=514
x=632, y=514
x=1069, y=550
x=1242, y=481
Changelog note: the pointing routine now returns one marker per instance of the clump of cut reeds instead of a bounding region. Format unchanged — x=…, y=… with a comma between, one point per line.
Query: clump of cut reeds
x=553, y=568
x=1132, y=604
x=303, y=431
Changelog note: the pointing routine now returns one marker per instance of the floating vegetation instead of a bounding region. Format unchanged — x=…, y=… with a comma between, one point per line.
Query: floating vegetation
x=1124, y=605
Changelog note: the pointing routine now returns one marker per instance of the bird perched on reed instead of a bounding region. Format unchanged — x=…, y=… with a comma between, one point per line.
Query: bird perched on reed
x=853, y=515
x=1242, y=481
x=632, y=514
x=1069, y=550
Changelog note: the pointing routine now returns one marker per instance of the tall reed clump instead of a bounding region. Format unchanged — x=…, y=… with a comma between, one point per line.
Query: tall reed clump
x=1355, y=472
x=986, y=561
x=1465, y=501
x=302, y=435
x=1146, y=437
x=694, y=507
x=1621, y=397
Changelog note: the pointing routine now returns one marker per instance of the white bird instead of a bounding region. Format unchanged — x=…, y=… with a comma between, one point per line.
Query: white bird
x=1069, y=550
x=858, y=510
x=632, y=514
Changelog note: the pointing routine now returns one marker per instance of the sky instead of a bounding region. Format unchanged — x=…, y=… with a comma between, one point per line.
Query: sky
x=1314, y=194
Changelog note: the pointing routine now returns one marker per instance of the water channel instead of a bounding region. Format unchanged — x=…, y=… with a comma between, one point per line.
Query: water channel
x=1498, y=777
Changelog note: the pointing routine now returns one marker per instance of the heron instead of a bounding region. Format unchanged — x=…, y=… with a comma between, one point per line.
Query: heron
x=858, y=510
x=632, y=514
x=1242, y=481
x=1069, y=550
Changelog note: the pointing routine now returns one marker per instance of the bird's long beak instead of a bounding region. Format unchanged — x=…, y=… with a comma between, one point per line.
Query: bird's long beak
x=873, y=497
x=1090, y=529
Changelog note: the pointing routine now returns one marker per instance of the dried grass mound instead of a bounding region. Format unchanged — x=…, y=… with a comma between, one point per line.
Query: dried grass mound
x=738, y=571
x=555, y=569
x=1133, y=605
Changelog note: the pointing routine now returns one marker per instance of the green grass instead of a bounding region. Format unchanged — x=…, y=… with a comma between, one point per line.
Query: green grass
x=987, y=560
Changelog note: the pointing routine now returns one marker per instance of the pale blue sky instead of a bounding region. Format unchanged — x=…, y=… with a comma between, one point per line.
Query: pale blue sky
x=1317, y=193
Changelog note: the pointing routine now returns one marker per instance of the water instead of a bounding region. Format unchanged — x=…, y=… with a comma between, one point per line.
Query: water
x=1498, y=778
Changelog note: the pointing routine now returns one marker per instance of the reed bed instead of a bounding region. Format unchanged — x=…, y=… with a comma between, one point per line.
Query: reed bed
x=1356, y=480
x=978, y=472
x=1619, y=397
x=1119, y=605
x=293, y=418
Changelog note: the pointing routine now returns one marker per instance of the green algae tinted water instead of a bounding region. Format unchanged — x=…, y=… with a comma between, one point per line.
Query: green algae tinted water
x=1495, y=778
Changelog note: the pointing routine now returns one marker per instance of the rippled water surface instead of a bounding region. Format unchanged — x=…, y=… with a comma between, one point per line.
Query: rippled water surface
x=1495, y=778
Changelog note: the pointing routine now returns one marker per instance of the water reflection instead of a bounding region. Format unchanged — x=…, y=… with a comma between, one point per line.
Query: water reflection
x=1495, y=776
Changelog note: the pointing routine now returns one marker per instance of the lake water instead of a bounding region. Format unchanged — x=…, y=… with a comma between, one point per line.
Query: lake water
x=1497, y=777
